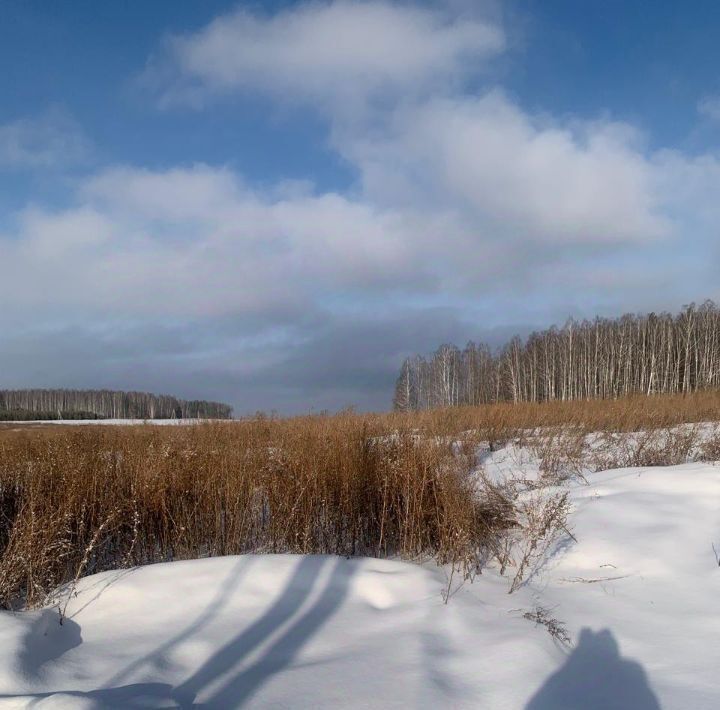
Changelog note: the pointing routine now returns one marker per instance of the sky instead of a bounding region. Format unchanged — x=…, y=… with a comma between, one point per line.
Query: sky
x=274, y=203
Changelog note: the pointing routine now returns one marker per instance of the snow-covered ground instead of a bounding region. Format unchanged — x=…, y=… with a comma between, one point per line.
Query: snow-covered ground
x=637, y=595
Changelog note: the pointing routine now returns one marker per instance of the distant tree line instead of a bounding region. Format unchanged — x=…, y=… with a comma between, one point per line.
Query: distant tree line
x=654, y=353
x=24, y=415
x=104, y=404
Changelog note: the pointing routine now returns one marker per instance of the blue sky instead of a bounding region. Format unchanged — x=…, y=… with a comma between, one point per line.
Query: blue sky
x=272, y=203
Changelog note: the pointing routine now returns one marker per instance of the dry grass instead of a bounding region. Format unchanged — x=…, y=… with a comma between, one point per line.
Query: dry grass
x=542, y=616
x=74, y=501
x=500, y=422
x=83, y=500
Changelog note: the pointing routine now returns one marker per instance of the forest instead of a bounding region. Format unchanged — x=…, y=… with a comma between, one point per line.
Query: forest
x=603, y=358
x=22, y=405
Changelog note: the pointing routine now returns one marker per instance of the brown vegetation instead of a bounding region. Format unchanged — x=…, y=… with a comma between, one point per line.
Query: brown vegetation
x=75, y=501
x=343, y=485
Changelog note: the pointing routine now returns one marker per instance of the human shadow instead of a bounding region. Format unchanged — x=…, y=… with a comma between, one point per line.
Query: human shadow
x=46, y=641
x=596, y=677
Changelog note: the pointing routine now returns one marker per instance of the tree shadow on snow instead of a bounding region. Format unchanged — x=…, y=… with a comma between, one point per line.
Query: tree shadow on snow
x=158, y=657
x=229, y=685
x=596, y=677
x=241, y=686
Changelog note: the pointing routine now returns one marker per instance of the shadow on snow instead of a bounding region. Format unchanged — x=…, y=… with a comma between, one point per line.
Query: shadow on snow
x=232, y=686
x=596, y=677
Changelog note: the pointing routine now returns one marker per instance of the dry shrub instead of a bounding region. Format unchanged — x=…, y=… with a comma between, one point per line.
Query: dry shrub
x=560, y=452
x=542, y=616
x=654, y=447
x=709, y=449
x=542, y=519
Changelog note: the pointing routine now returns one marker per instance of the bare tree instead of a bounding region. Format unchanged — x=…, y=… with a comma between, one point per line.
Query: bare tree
x=104, y=404
x=654, y=353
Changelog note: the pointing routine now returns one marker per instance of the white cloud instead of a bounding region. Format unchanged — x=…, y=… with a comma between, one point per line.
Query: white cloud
x=53, y=140
x=199, y=243
x=51, y=236
x=543, y=181
x=340, y=51
x=329, y=235
x=480, y=161
x=194, y=242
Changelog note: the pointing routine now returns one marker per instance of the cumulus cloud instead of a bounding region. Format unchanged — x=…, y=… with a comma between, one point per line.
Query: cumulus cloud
x=582, y=183
x=340, y=51
x=478, y=159
x=198, y=242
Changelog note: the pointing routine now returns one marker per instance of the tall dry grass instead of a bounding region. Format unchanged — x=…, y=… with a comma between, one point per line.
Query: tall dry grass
x=74, y=501
x=505, y=420
x=77, y=501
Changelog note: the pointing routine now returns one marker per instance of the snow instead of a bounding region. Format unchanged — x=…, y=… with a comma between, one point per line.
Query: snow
x=637, y=594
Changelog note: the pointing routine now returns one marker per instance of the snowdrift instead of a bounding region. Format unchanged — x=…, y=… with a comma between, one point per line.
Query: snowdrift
x=636, y=596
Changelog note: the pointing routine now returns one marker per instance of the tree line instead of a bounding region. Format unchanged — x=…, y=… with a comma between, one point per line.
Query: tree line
x=602, y=358
x=104, y=404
